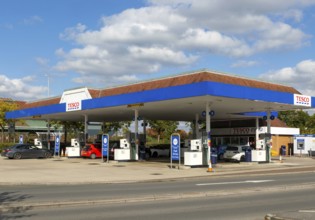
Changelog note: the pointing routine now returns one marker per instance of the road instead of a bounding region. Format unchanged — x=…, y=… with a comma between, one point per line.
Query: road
x=221, y=198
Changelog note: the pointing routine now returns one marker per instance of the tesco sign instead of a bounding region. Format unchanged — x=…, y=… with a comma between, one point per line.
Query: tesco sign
x=302, y=100
x=73, y=106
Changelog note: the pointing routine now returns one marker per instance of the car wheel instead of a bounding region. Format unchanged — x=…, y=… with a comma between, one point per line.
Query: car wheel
x=93, y=156
x=17, y=156
x=155, y=154
x=47, y=155
x=242, y=159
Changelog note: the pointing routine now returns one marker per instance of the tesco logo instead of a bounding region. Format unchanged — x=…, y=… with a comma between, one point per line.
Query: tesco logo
x=73, y=106
x=302, y=100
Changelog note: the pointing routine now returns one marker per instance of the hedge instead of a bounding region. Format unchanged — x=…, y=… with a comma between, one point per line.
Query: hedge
x=5, y=145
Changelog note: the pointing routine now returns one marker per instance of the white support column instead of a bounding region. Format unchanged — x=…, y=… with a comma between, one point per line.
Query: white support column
x=48, y=134
x=268, y=122
x=269, y=132
x=208, y=130
x=257, y=130
x=136, y=134
x=86, y=118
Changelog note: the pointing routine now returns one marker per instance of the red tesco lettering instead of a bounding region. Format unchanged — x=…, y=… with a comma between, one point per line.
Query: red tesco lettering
x=73, y=105
x=302, y=99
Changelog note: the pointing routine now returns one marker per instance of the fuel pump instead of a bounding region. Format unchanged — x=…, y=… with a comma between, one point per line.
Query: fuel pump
x=193, y=157
x=75, y=149
x=38, y=143
x=260, y=153
x=123, y=152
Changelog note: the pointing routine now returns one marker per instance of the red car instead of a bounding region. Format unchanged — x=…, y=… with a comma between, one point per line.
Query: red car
x=92, y=151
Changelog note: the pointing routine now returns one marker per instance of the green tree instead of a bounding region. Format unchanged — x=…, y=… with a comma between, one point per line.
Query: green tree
x=115, y=126
x=297, y=119
x=5, y=106
x=163, y=128
x=69, y=127
x=311, y=125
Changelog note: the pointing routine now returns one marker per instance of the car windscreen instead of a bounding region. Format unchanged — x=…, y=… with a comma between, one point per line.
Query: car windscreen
x=232, y=148
x=87, y=147
x=113, y=144
x=98, y=146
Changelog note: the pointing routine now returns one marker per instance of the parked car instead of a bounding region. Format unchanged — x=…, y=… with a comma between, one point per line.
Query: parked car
x=20, y=151
x=92, y=151
x=162, y=150
x=235, y=153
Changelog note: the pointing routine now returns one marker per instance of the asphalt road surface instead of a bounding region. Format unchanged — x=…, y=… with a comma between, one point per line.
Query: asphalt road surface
x=239, y=197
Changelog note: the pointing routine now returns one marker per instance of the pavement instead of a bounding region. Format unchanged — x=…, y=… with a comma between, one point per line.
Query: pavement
x=63, y=170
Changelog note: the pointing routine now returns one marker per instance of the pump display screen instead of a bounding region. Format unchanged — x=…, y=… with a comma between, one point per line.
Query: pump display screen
x=300, y=144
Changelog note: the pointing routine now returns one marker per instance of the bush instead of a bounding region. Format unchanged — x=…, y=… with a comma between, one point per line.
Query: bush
x=5, y=145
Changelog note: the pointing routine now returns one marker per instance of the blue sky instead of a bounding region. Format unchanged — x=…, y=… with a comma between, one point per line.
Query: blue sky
x=99, y=43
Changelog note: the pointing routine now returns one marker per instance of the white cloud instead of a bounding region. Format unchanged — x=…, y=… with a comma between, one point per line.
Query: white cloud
x=301, y=77
x=161, y=55
x=280, y=36
x=42, y=61
x=126, y=78
x=20, y=89
x=72, y=32
x=7, y=26
x=244, y=63
x=175, y=33
x=33, y=20
x=212, y=41
x=295, y=15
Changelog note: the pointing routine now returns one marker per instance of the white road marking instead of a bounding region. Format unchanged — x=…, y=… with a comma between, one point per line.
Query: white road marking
x=227, y=183
x=311, y=211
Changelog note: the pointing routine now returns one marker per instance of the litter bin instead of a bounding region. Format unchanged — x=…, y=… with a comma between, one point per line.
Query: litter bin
x=248, y=155
x=214, y=156
x=283, y=150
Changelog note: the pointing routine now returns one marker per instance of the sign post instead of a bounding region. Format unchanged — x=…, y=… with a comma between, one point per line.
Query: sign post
x=105, y=147
x=57, y=145
x=175, y=149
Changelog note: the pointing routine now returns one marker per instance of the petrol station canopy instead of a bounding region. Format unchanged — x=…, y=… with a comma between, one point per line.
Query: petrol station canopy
x=177, y=98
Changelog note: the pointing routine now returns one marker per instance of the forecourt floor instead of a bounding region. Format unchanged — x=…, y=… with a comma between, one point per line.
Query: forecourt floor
x=61, y=170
